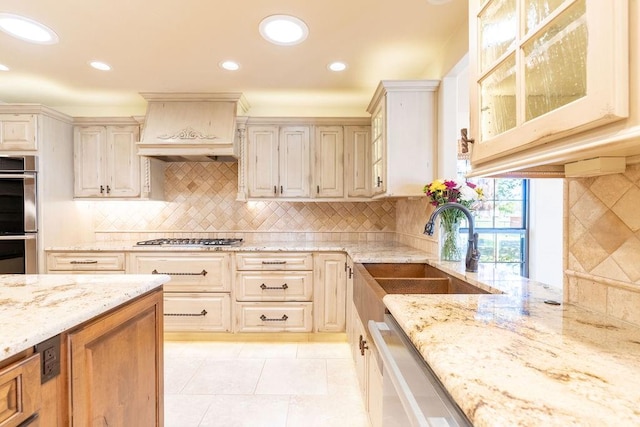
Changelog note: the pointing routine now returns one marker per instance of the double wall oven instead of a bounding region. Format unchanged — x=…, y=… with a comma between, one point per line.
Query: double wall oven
x=18, y=215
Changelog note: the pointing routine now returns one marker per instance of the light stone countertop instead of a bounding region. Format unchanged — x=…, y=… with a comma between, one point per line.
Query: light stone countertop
x=508, y=359
x=513, y=360
x=34, y=308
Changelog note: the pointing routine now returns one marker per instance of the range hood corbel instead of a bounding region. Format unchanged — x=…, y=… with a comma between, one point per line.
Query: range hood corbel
x=191, y=126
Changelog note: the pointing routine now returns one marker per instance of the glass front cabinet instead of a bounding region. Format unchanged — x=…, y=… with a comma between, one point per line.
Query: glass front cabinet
x=544, y=69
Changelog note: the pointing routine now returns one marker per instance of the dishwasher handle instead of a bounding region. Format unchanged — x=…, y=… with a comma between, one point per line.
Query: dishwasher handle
x=390, y=367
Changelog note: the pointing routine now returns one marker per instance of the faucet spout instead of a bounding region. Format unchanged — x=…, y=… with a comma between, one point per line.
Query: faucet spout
x=473, y=255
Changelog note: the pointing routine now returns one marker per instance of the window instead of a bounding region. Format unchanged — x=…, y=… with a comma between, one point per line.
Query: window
x=501, y=221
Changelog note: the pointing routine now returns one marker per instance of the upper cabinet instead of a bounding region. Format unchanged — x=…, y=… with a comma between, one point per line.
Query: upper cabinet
x=278, y=161
x=543, y=72
x=403, y=134
x=18, y=132
x=322, y=159
x=106, y=164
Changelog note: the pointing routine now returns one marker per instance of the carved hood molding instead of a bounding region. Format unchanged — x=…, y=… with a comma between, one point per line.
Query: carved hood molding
x=191, y=126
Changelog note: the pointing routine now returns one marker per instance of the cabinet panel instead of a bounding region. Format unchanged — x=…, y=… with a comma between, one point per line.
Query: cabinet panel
x=274, y=286
x=262, y=171
x=124, y=164
x=85, y=262
x=274, y=261
x=330, y=284
x=186, y=312
x=18, y=132
x=117, y=367
x=274, y=317
x=20, y=395
x=189, y=272
x=294, y=161
x=89, y=151
x=358, y=160
x=329, y=161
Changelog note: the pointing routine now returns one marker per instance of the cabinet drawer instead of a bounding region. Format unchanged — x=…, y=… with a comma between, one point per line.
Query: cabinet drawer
x=20, y=395
x=274, y=317
x=189, y=272
x=191, y=312
x=85, y=261
x=274, y=261
x=274, y=286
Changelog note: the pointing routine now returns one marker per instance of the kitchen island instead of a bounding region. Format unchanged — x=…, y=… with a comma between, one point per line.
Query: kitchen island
x=73, y=346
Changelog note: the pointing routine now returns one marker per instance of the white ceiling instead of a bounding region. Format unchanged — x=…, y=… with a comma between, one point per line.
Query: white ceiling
x=175, y=46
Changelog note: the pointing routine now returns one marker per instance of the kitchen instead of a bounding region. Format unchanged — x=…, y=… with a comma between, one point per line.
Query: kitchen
x=600, y=243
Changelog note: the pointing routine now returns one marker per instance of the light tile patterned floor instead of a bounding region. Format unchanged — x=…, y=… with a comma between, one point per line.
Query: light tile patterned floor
x=225, y=384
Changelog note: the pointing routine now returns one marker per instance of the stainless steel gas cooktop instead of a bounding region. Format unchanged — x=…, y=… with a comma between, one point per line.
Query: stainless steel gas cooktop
x=190, y=242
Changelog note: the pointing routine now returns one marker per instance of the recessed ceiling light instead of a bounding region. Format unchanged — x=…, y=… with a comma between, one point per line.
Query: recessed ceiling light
x=230, y=65
x=99, y=65
x=27, y=29
x=337, y=66
x=283, y=30
x=4, y=67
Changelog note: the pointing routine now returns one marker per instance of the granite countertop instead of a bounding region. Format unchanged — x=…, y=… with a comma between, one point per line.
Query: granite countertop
x=360, y=251
x=34, y=308
x=513, y=360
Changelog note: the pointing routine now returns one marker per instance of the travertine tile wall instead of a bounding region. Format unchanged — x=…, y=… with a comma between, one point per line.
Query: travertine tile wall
x=411, y=216
x=603, y=244
x=201, y=198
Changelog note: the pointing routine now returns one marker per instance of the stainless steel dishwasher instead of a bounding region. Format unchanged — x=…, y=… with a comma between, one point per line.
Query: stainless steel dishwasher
x=412, y=394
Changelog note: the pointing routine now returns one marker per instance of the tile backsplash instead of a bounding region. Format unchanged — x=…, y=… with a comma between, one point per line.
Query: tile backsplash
x=603, y=244
x=201, y=198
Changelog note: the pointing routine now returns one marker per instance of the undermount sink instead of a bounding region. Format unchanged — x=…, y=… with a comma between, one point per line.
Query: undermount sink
x=373, y=281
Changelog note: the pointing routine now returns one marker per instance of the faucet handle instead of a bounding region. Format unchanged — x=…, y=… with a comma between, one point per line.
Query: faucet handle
x=428, y=228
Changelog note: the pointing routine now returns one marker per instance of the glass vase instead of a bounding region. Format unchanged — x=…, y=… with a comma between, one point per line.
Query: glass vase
x=450, y=247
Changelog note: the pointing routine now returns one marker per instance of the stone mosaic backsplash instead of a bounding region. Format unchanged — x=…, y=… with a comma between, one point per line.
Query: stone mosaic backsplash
x=201, y=197
x=603, y=244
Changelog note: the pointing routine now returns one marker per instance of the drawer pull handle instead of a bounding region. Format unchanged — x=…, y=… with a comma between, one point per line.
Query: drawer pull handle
x=202, y=273
x=273, y=262
x=266, y=319
x=280, y=288
x=202, y=313
x=84, y=262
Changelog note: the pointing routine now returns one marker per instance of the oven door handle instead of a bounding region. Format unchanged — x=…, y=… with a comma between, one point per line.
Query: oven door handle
x=24, y=175
x=28, y=236
x=390, y=367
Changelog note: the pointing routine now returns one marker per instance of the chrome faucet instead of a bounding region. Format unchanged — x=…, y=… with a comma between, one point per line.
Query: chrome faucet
x=473, y=255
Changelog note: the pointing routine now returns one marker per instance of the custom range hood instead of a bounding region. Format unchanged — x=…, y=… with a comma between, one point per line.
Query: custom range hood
x=191, y=126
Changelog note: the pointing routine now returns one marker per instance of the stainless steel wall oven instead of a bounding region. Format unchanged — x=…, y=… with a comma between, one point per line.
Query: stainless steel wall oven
x=18, y=215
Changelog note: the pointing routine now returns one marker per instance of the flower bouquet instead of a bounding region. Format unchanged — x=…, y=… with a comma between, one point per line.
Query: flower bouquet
x=442, y=191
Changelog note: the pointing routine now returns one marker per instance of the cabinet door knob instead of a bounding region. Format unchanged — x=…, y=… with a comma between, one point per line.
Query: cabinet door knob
x=275, y=190
x=318, y=189
x=101, y=189
x=378, y=182
x=281, y=190
x=108, y=189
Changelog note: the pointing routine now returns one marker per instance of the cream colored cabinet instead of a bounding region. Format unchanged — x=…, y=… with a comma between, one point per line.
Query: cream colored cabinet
x=274, y=292
x=278, y=161
x=85, y=262
x=542, y=71
x=403, y=132
x=197, y=298
x=105, y=161
x=18, y=132
x=116, y=367
x=328, y=161
x=330, y=282
x=357, y=160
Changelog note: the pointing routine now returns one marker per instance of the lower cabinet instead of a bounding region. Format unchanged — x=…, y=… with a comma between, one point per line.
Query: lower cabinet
x=20, y=392
x=197, y=298
x=368, y=368
x=274, y=292
x=330, y=283
x=116, y=367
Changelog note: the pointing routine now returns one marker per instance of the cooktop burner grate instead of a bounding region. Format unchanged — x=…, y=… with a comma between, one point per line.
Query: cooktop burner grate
x=190, y=242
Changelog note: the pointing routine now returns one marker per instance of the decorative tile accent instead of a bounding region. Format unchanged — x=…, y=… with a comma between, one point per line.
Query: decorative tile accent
x=201, y=197
x=603, y=232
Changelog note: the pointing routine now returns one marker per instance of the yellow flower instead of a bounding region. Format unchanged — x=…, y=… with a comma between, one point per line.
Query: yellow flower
x=437, y=185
